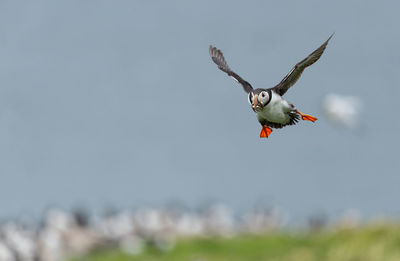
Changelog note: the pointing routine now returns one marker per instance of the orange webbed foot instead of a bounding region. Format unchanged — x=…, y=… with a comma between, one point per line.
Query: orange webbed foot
x=265, y=132
x=307, y=117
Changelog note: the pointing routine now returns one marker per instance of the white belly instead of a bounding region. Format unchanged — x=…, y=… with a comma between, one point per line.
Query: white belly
x=276, y=110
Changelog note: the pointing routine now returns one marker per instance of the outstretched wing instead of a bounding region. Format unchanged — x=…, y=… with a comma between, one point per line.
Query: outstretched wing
x=292, y=77
x=218, y=58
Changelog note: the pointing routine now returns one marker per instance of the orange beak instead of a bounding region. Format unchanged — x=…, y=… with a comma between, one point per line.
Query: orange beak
x=255, y=101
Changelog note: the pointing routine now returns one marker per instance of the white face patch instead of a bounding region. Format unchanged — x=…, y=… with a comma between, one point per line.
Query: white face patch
x=263, y=97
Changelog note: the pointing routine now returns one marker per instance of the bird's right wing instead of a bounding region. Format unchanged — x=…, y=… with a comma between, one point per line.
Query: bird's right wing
x=218, y=58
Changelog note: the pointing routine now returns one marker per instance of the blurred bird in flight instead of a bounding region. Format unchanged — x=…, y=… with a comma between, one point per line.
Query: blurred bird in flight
x=272, y=110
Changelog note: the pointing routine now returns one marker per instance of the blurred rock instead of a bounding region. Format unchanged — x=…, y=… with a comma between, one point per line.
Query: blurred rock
x=63, y=235
x=218, y=220
x=6, y=254
x=20, y=240
x=261, y=220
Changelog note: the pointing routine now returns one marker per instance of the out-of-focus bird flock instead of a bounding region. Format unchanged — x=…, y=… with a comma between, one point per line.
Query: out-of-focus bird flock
x=64, y=234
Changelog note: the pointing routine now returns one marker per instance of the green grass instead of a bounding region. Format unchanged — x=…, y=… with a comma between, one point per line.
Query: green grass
x=374, y=243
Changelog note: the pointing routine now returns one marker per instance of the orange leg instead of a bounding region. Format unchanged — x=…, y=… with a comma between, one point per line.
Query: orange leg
x=265, y=132
x=307, y=117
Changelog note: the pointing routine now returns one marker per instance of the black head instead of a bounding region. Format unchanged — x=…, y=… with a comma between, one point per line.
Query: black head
x=259, y=98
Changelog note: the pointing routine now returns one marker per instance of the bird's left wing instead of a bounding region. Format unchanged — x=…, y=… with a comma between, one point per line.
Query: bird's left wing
x=292, y=77
x=218, y=58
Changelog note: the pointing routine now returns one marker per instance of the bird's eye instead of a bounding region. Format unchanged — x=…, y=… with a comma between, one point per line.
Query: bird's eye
x=262, y=94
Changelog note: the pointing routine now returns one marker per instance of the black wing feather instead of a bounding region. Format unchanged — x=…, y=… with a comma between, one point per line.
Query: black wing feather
x=294, y=74
x=218, y=58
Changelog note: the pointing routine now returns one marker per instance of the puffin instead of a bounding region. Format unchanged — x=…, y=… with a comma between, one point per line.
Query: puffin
x=272, y=110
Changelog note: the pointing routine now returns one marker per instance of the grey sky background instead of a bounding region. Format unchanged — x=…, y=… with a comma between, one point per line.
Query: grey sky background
x=118, y=103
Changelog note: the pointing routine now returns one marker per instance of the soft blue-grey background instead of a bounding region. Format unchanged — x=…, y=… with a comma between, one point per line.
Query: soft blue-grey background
x=118, y=103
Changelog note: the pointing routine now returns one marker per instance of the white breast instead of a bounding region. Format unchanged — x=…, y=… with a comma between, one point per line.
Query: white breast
x=276, y=110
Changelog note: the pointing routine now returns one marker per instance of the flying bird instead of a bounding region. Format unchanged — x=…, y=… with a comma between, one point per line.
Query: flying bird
x=343, y=110
x=272, y=110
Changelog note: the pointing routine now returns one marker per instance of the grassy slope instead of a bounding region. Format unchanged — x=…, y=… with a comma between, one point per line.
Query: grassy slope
x=367, y=244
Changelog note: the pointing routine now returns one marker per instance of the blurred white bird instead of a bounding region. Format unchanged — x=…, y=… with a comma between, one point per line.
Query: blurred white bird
x=342, y=110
